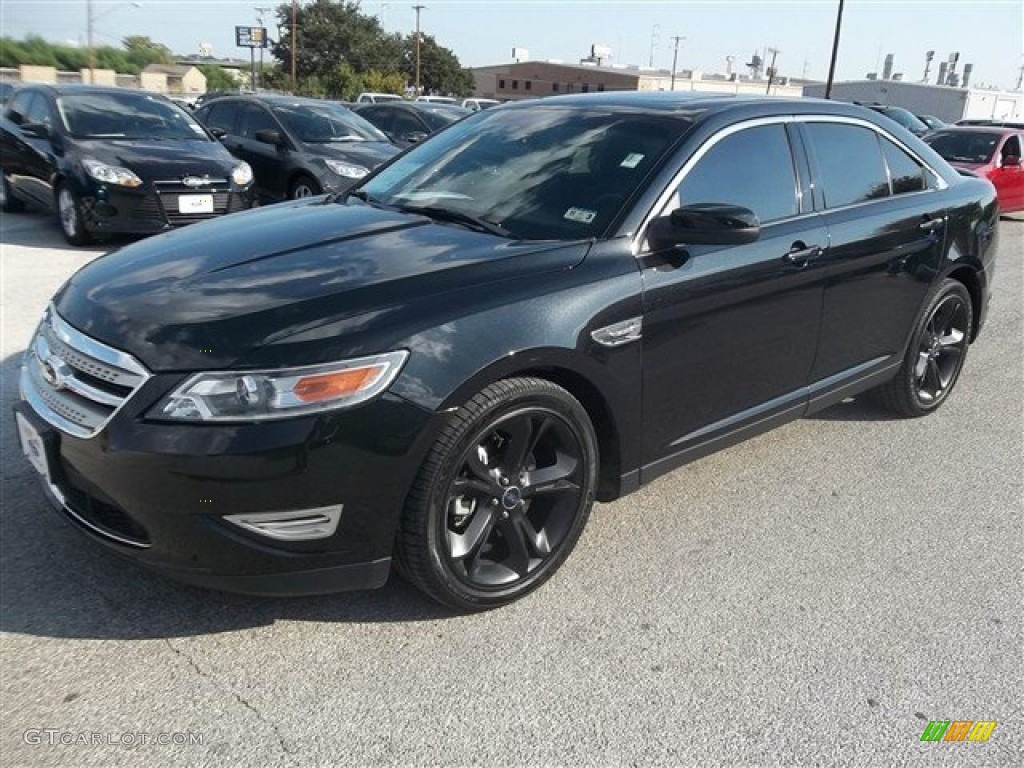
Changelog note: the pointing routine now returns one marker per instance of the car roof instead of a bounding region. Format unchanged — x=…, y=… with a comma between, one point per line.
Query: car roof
x=278, y=100
x=67, y=89
x=1002, y=130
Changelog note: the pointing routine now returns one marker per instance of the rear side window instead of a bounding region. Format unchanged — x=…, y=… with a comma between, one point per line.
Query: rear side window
x=752, y=168
x=906, y=173
x=850, y=164
x=221, y=116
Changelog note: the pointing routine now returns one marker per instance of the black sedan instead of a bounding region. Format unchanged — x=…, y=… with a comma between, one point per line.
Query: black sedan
x=546, y=304
x=112, y=160
x=410, y=122
x=296, y=147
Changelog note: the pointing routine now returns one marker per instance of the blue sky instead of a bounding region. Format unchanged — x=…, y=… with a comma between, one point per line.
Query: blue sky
x=989, y=33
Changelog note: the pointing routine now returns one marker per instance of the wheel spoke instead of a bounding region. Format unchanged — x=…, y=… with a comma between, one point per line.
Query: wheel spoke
x=469, y=542
x=552, y=479
x=922, y=365
x=477, y=467
x=473, y=486
x=518, y=552
x=536, y=540
x=936, y=377
x=523, y=435
x=953, y=339
x=943, y=315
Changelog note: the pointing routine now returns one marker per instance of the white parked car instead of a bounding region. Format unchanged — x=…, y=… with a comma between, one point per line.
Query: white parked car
x=376, y=98
x=477, y=104
x=438, y=99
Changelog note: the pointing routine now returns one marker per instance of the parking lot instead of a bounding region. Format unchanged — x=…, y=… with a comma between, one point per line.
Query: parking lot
x=814, y=596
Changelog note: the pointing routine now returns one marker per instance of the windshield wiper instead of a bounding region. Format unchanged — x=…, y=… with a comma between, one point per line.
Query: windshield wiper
x=458, y=217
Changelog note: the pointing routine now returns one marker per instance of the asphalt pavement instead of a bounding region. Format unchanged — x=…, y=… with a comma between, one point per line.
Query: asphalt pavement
x=814, y=596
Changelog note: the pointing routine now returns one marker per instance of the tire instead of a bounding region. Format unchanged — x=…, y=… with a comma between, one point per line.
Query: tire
x=303, y=186
x=69, y=216
x=11, y=203
x=502, y=497
x=935, y=356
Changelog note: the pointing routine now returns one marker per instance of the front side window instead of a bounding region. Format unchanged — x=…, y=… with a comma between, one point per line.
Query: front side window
x=752, y=168
x=906, y=173
x=849, y=162
x=545, y=173
x=221, y=115
x=1011, y=148
x=18, y=106
x=254, y=119
x=39, y=112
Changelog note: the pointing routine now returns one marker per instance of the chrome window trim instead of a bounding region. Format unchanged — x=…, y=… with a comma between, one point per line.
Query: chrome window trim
x=639, y=237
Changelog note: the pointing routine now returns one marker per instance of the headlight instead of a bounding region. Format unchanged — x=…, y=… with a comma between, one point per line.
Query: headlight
x=347, y=170
x=242, y=174
x=110, y=174
x=281, y=393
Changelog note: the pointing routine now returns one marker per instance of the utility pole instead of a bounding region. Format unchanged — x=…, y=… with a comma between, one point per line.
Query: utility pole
x=771, y=70
x=88, y=33
x=294, y=45
x=675, y=56
x=260, y=10
x=418, y=8
x=654, y=44
x=835, y=52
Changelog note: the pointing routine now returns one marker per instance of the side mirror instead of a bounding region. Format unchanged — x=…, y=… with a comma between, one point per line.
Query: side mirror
x=415, y=137
x=268, y=136
x=218, y=133
x=704, y=224
x=1011, y=161
x=38, y=130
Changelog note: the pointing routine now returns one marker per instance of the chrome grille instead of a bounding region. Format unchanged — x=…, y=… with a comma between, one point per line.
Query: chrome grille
x=73, y=381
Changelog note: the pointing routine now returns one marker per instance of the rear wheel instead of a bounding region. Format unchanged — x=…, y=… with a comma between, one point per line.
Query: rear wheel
x=11, y=203
x=503, y=496
x=304, y=186
x=69, y=213
x=936, y=354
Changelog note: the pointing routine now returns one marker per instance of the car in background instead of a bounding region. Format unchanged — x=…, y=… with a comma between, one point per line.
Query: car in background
x=409, y=123
x=990, y=122
x=904, y=117
x=297, y=147
x=545, y=304
x=114, y=160
x=932, y=122
x=476, y=105
x=368, y=97
x=438, y=100
x=992, y=152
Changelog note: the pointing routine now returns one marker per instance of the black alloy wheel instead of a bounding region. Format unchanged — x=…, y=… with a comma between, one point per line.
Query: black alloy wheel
x=503, y=496
x=302, y=187
x=936, y=355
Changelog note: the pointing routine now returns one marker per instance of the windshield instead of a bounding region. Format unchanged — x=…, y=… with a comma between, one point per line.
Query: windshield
x=906, y=119
x=128, y=115
x=540, y=173
x=964, y=146
x=324, y=123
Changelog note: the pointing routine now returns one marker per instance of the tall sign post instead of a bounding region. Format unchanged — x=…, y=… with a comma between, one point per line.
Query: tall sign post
x=251, y=38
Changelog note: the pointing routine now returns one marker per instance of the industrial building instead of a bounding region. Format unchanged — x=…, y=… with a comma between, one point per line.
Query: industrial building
x=533, y=79
x=944, y=102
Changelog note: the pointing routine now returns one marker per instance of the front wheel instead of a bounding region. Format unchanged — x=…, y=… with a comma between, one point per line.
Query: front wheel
x=304, y=186
x=936, y=354
x=69, y=212
x=502, y=497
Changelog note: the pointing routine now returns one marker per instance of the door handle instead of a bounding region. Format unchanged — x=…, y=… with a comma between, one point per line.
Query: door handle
x=931, y=224
x=799, y=254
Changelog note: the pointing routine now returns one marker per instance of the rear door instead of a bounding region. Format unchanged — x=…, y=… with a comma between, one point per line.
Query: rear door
x=269, y=163
x=730, y=332
x=886, y=220
x=1008, y=178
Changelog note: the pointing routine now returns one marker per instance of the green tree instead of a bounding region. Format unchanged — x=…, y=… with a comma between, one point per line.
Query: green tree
x=218, y=78
x=440, y=70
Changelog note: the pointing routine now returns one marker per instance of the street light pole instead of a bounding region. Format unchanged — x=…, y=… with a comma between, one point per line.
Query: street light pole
x=92, y=54
x=675, y=56
x=418, y=8
x=294, y=45
x=835, y=52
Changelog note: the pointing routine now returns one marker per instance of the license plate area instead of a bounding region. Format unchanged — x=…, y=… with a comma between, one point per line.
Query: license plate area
x=33, y=446
x=195, y=204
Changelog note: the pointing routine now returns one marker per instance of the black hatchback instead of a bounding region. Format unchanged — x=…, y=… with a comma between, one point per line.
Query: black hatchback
x=408, y=123
x=296, y=147
x=114, y=160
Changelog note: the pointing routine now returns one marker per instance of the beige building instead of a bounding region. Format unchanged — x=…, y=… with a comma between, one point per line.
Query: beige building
x=533, y=79
x=173, y=79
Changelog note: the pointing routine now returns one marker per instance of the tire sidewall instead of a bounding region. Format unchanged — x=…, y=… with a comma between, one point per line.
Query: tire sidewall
x=563, y=406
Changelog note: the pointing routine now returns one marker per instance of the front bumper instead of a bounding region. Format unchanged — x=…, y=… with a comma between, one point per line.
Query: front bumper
x=159, y=494
x=155, y=207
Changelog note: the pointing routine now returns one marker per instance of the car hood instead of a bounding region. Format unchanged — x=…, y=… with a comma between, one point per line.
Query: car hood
x=163, y=160
x=205, y=296
x=366, y=153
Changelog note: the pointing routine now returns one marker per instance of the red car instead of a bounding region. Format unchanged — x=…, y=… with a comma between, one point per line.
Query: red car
x=990, y=152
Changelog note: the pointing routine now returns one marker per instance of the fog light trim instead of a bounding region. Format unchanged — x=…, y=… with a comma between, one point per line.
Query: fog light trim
x=294, y=525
